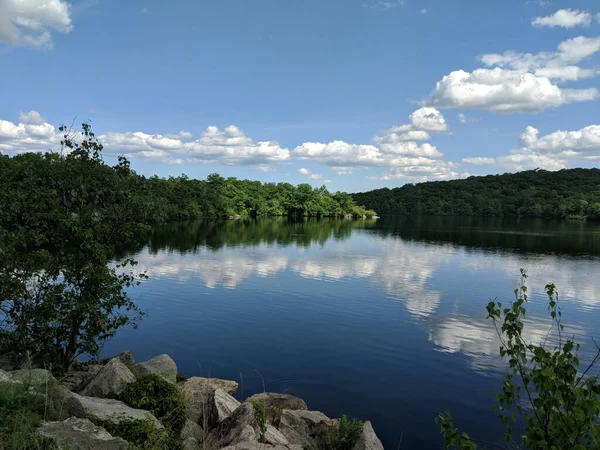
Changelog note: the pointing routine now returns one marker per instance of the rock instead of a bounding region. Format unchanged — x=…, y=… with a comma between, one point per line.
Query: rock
x=110, y=381
x=80, y=434
x=235, y=217
x=65, y=404
x=6, y=379
x=239, y=427
x=301, y=427
x=255, y=445
x=125, y=357
x=375, y=217
x=113, y=411
x=190, y=444
x=76, y=381
x=161, y=365
x=368, y=439
x=197, y=392
x=192, y=430
x=32, y=376
x=275, y=403
x=220, y=406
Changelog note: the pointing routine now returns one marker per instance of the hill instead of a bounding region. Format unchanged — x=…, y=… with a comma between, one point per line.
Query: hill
x=573, y=193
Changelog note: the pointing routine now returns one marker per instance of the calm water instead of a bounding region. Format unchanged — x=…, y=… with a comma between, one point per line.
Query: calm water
x=382, y=320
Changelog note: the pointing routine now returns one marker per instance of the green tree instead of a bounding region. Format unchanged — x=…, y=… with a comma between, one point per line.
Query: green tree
x=64, y=219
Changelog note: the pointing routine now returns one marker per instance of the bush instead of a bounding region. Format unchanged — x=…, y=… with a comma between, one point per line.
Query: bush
x=558, y=405
x=153, y=393
x=22, y=408
x=141, y=434
x=344, y=438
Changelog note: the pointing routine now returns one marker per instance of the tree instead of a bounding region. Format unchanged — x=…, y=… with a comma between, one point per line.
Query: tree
x=558, y=405
x=63, y=289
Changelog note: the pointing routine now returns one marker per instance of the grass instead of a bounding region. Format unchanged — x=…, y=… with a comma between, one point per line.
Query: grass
x=23, y=407
x=343, y=438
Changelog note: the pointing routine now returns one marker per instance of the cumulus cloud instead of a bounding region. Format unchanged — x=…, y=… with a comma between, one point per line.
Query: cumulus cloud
x=554, y=151
x=32, y=133
x=559, y=65
x=232, y=147
x=315, y=176
x=31, y=22
x=304, y=171
x=564, y=18
x=503, y=91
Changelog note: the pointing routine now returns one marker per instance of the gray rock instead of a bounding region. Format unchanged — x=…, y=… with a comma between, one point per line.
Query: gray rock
x=113, y=411
x=255, y=445
x=110, y=381
x=80, y=434
x=192, y=430
x=238, y=428
x=275, y=403
x=301, y=427
x=65, y=404
x=368, y=439
x=125, y=357
x=220, y=406
x=6, y=379
x=77, y=380
x=161, y=365
x=197, y=392
x=32, y=376
x=190, y=444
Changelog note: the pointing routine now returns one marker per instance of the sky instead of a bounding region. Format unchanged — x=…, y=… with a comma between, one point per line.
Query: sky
x=353, y=94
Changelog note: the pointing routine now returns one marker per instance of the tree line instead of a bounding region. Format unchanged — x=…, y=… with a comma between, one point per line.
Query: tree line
x=568, y=193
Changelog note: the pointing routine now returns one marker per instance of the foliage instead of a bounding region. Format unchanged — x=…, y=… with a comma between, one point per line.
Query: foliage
x=260, y=412
x=558, y=405
x=343, y=438
x=163, y=399
x=141, y=434
x=22, y=408
x=536, y=193
x=63, y=219
x=181, y=377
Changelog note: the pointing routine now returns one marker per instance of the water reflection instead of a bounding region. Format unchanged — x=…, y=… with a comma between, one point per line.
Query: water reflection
x=364, y=315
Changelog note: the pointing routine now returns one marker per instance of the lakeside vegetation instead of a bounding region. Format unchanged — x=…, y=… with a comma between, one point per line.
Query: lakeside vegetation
x=569, y=193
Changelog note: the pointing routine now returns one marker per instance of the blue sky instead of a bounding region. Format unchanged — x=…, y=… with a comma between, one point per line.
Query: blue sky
x=358, y=93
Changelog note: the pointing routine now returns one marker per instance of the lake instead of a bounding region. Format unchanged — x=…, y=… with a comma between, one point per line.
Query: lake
x=383, y=320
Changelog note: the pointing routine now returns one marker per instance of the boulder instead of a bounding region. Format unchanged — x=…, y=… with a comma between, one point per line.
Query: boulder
x=110, y=381
x=125, y=357
x=64, y=404
x=368, y=440
x=80, y=434
x=220, y=406
x=301, y=427
x=113, y=411
x=191, y=444
x=5, y=378
x=255, y=445
x=197, y=392
x=32, y=376
x=192, y=430
x=77, y=380
x=241, y=426
x=161, y=365
x=275, y=403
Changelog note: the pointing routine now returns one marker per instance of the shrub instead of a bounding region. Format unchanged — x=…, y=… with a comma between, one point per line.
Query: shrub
x=558, y=405
x=141, y=434
x=260, y=413
x=342, y=438
x=22, y=408
x=153, y=393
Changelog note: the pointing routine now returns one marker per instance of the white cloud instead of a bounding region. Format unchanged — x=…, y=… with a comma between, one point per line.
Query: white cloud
x=424, y=11
x=559, y=65
x=32, y=133
x=303, y=171
x=565, y=18
x=232, y=147
x=479, y=161
x=580, y=144
x=428, y=119
x=327, y=181
x=182, y=135
x=31, y=22
x=316, y=176
x=503, y=91
x=464, y=119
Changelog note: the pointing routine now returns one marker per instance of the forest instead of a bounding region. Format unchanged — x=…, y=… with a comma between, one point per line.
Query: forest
x=568, y=193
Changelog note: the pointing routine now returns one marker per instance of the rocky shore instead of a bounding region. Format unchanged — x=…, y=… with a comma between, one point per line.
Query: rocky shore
x=91, y=407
